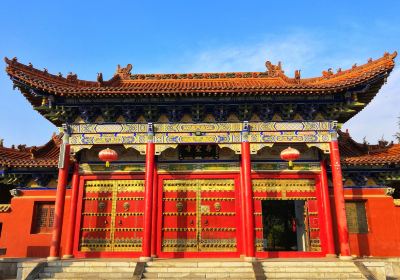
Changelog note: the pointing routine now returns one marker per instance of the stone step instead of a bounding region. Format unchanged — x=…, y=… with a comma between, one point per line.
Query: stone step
x=187, y=275
x=90, y=264
x=307, y=275
x=308, y=264
x=311, y=269
x=198, y=264
x=144, y=278
x=205, y=278
x=326, y=278
x=198, y=269
x=98, y=275
x=195, y=275
x=85, y=278
x=55, y=269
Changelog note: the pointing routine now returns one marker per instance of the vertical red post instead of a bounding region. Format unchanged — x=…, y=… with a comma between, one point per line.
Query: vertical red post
x=154, y=214
x=337, y=179
x=242, y=209
x=59, y=204
x=330, y=250
x=148, y=196
x=72, y=212
x=248, y=203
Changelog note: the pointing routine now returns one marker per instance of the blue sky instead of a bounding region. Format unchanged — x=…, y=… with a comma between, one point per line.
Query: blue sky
x=87, y=37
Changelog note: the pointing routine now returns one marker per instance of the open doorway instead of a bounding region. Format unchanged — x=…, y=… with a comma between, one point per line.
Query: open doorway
x=283, y=225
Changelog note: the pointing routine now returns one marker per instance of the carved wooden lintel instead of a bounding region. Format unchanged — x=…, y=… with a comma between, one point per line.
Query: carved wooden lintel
x=162, y=147
x=324, y=147
x=234, y=147
x=255, y=147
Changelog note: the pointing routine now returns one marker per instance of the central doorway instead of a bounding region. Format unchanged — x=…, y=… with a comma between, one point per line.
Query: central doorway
x=283, y=225
x=198, y=217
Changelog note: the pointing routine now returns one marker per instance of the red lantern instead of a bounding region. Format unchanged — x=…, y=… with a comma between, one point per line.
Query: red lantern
x=108, y=155
x=289, y=154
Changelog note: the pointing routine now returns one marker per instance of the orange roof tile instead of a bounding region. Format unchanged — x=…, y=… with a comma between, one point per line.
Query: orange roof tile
x=22, y=156
x=391, y=155
x=354, y=153
x=272, y=81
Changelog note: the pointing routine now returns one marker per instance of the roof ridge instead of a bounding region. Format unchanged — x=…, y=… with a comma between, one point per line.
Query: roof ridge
x=123, y=74
x=70, y=80
x=44, y=150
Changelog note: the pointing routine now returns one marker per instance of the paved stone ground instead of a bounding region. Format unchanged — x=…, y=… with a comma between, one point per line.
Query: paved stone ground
x=318, y=268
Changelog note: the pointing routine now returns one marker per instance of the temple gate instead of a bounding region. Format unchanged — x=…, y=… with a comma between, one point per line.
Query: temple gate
x=199, y=172
x=199, y=210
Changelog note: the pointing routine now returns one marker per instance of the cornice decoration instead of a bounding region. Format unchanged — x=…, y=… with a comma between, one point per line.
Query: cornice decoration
x=260, y=134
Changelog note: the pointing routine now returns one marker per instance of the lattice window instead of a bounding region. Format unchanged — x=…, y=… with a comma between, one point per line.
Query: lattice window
x=43, y=217
x=356, y=217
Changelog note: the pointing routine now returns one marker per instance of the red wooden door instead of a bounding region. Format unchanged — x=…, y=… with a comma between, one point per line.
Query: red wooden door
x=217, y=216
x=198, y=216
x=112, y=216
x=312, y=225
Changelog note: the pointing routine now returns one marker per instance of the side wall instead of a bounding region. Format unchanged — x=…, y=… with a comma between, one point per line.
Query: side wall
x=16, y=234
x=382, y=239
x=383, y=217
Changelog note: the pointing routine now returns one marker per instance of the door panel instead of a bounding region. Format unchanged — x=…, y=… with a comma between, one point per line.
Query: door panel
x=313, y=225
x=179, y=232
x=199, y=215
x=218, y=217
x=112, y=216
x=96, y=217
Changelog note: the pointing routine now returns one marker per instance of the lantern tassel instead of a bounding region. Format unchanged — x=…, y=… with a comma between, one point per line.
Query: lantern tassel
x=107, y=164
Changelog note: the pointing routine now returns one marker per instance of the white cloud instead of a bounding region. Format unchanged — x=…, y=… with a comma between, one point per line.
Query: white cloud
x=294, y=50
x=312, y=54
x=309, y=51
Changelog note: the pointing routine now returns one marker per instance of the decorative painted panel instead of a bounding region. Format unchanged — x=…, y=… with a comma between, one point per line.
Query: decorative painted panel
x=112, y=216
x=134, y=134
x=196, y=167
x=189, y=138
x=201, y=127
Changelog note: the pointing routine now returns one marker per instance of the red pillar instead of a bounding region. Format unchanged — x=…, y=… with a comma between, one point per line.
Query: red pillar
x=248, y=193
x=72, y=213
x=154, y=215
x=59, y=206
x=330, y=248
x=343, y=232
x=148, y=199
x=242, y=211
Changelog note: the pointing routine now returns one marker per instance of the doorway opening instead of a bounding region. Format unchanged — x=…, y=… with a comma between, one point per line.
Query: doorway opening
x=283, y=225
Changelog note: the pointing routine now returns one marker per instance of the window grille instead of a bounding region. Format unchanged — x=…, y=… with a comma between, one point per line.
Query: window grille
x=356, y=217
x=43, y=217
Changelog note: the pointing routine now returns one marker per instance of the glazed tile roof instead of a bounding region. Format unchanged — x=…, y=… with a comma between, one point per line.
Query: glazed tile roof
x=391, y=155
x=354, y=153
x=22, y=156
x=273, y=81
